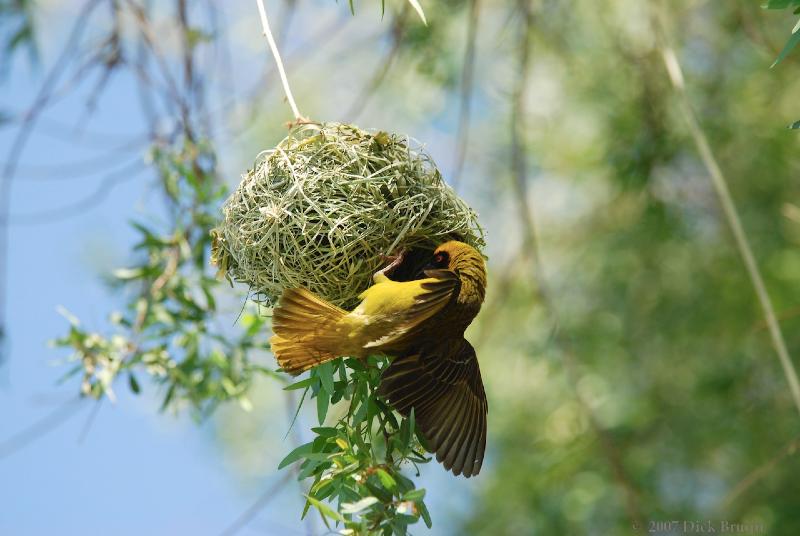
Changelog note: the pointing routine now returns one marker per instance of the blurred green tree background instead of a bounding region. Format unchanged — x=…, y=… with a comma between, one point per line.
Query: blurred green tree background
x=630, y=373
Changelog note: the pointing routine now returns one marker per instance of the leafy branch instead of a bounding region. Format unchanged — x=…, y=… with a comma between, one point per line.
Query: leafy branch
x=356, y=462
x=167, y=331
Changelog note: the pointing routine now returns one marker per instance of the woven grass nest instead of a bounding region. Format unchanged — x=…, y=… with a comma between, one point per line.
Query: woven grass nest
x=323, y=208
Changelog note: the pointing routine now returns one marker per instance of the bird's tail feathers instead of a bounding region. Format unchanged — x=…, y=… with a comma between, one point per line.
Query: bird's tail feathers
x=305, y=331
x=295, y=357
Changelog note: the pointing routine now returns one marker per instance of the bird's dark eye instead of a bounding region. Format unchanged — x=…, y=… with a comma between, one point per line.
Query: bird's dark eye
x=441, y=260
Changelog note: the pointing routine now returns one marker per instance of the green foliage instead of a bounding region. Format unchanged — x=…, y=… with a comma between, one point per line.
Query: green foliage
x=168, y=330
x=356, y=463
x=672, y=357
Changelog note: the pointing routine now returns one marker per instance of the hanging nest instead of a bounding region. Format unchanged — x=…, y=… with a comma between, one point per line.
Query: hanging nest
x=323, y=208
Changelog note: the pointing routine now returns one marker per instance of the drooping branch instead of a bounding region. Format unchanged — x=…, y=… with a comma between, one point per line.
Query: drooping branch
x=720, y=184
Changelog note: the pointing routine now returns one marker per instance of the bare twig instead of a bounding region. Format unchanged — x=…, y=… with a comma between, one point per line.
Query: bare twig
x=467, y=78
x=188, y=62
x=21, y=140
x=90, y=420
x=299, y=56
x=760, y=472
x=150, y=39
x=274, y=48
x=728, y=207
x=259, y=504
x=57, y=130
x=39, y=428
x=77, y=168
x=79, y=207
x=147, y=103
x=519, y=164
x=110, y=56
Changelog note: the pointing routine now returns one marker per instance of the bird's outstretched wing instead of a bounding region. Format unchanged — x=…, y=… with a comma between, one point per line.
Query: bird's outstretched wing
x=442, y=382
x=430, y=295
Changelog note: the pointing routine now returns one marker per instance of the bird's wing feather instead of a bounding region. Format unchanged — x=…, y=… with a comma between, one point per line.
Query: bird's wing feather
x=442, y=382
x=435, y=292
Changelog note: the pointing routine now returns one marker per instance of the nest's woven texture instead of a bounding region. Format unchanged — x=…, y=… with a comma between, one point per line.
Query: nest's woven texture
x=321, y=209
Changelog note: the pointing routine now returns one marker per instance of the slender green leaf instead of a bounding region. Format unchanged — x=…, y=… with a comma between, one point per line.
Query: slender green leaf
x=125, y=274
x=789, y=46
x=296, y=454
x=325, y=510
x=322, y=405
x=414, y=495
x=325, y=375
x=302, y=384
x=297, y=412
x=426, y=516
x=325, y=431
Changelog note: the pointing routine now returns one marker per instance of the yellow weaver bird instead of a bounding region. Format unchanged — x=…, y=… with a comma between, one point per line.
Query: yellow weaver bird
x=421, y=324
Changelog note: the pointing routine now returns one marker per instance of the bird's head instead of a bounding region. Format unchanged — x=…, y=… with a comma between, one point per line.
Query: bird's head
x=464, y=260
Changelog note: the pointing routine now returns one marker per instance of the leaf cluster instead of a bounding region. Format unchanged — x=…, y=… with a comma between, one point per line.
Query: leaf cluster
x=355, y=463
x=167, y=331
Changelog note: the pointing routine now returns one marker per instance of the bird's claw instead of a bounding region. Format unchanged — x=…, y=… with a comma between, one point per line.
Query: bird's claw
x=395, y=261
